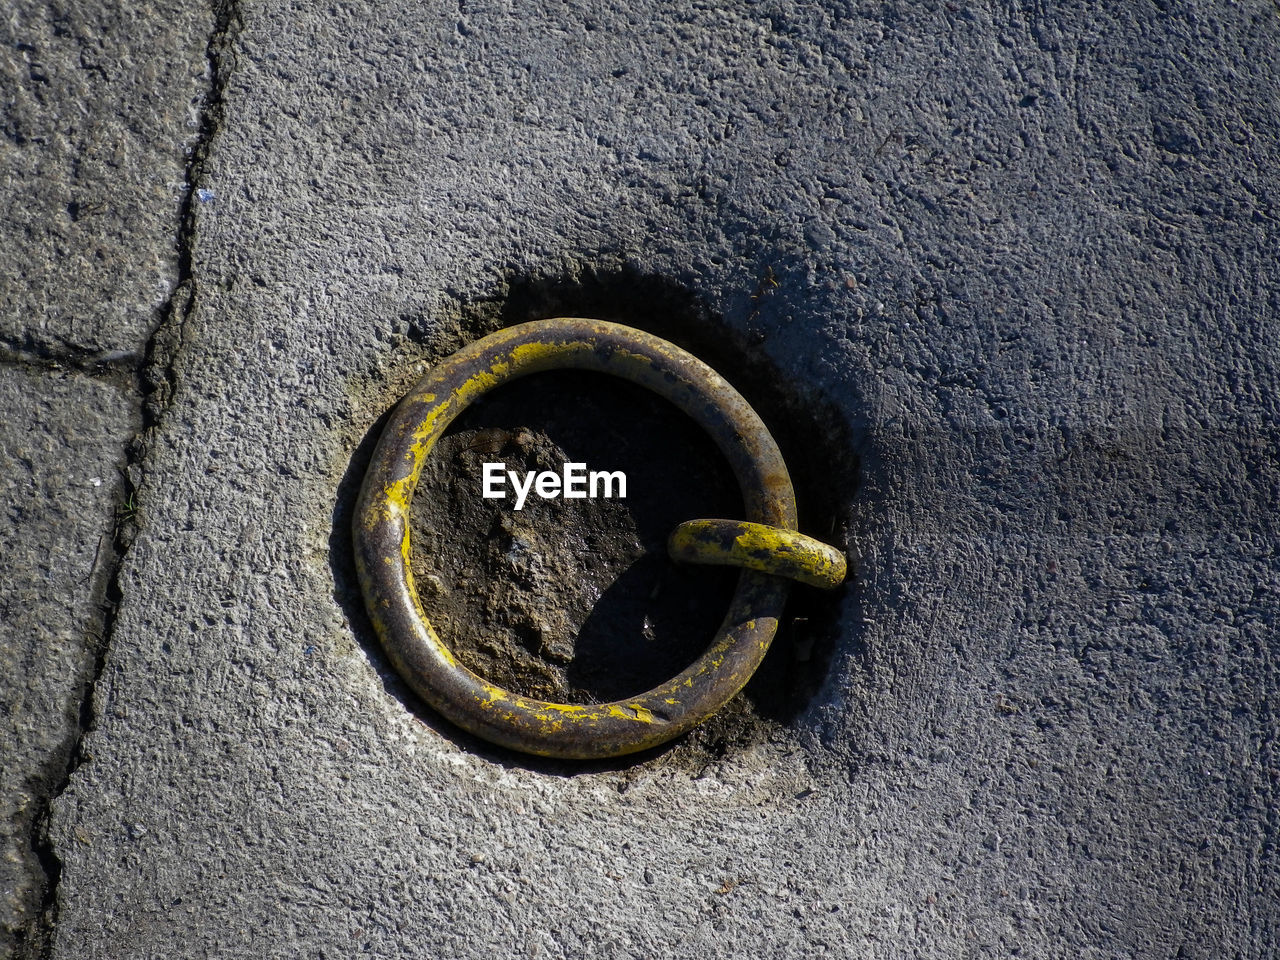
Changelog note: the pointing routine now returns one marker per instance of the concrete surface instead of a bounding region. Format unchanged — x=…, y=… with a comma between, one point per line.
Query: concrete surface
x=99, y=103
x=1019, y=260
x=61, y=446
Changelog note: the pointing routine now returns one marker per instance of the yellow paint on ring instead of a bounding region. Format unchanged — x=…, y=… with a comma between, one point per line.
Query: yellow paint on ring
x=758, y=546
x=637, y=712
x=569, y=708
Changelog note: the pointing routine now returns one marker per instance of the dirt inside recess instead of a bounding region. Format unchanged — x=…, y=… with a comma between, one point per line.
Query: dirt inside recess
x=571, y=599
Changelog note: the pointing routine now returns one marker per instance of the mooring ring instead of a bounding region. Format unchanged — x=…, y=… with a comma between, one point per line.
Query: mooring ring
x=573, y=730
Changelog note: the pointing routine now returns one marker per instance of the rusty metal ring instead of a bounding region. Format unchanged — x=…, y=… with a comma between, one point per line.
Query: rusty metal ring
x=575, y=730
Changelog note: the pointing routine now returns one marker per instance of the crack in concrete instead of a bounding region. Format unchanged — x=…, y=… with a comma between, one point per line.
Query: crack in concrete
x=154, y=377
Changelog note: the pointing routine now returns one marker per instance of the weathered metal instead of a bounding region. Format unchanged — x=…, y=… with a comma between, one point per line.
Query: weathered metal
x=757, y=546
x=584, y=730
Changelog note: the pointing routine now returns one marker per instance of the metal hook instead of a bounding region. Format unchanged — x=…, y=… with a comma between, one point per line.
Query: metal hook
x=766, y=545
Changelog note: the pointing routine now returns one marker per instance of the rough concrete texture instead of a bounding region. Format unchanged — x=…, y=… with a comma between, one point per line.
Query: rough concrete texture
x=61, y=443
x=99, y=103
x=1023, y=257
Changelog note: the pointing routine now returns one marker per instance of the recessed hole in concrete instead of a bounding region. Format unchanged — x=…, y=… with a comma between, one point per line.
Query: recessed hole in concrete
x=576, y=600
